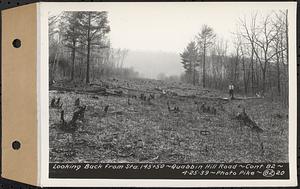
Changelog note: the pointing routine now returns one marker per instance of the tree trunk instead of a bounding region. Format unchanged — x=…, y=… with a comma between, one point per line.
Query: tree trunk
x=87, y=78
x=287, y=38
x=252, y=71
x=54, y=65
x=236, y=66
x=264, y=70
x=278, y=75
x=244, y=74
x=73, y=62
x=257, y=71
x=194, y=75
x=264, y=80
x=203, y=74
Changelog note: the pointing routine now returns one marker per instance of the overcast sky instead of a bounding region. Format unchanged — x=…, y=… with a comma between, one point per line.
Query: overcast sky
x=167, y=27
x=170, y=26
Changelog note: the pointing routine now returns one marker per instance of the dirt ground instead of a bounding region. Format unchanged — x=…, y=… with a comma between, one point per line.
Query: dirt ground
x=134, y=130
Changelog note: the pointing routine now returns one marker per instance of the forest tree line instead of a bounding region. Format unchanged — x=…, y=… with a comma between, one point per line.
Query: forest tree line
x=257, y=65
x=80, y=49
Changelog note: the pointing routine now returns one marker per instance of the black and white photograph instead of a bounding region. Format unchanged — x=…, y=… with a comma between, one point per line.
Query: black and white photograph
x=165, y=84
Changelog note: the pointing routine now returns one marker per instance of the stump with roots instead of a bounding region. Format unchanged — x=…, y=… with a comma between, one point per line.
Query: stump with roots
x=245, y=120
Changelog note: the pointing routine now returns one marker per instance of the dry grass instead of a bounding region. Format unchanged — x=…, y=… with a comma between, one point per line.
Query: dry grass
x=143, y=132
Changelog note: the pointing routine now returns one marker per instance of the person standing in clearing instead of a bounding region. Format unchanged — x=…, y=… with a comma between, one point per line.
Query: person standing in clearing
x=231, y=90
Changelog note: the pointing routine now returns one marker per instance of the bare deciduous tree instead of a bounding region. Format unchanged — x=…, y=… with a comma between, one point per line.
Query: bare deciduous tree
x=205, y=40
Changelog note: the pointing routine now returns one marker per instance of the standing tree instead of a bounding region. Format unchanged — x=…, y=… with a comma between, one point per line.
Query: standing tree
x=280, y=47
x=205, y=39
x=93, y=28
x=261, y=40
x=71, y=35
x=189, y=60
x=218, y=56
x=54, y=44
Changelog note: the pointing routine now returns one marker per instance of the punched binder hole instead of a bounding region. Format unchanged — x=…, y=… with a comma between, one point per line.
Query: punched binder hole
x=16, y=145
x=17, y=43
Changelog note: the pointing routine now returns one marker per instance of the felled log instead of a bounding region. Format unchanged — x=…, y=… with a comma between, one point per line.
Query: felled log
x=57, y=88
x=105, y=85
x=98, y=90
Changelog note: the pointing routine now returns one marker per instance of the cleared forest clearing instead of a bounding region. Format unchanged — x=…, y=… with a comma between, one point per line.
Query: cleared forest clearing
x=135, y=130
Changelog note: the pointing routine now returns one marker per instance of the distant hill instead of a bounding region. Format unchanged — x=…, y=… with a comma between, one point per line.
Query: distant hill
x=151, y=63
